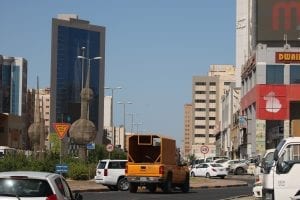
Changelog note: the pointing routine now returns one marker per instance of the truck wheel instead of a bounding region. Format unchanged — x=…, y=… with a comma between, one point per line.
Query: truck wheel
x=123, y=184
x=186, y=185
x=152, y=187
x=133, y=187
x=167, y=185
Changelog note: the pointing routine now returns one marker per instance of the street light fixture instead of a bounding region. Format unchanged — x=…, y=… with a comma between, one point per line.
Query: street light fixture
x=124, y=116
x=112, y=111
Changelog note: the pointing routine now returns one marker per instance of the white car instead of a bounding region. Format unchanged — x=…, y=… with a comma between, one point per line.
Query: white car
x=111, y=173
x=209, y=170
x=35, y=186
x=228, y=163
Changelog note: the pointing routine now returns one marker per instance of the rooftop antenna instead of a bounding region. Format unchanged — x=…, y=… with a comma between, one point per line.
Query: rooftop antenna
x=285, y=38
x=286, y=45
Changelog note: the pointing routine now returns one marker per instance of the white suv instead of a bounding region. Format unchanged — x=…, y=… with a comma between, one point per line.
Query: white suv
x=111, y=173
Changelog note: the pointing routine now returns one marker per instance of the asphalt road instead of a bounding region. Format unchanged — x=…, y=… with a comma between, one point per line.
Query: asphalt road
x=212, y=194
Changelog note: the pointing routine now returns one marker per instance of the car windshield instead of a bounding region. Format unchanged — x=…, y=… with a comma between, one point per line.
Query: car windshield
x=216, y=165
x=221, y=161
x=24, y=187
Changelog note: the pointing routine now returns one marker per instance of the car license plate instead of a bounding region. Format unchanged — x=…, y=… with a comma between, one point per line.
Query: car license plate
x=143, y=179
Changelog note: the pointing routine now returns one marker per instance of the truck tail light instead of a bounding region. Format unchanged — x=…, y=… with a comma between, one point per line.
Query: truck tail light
x=52, y=197
x=161, y=170
x=126, y=169
x=105, y=172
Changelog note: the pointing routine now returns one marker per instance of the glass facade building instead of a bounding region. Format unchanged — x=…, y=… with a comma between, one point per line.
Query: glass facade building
x=72, y=37
x=13, y=85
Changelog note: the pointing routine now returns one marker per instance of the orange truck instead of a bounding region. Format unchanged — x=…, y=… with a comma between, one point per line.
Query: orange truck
x=153, y=161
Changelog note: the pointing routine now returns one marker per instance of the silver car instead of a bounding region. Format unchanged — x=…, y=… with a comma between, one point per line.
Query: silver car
x=35, y=185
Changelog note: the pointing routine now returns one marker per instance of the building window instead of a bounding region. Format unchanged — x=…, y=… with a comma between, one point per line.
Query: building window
x=200, y=92
x=199, y=135
x=200, y=101
x=199, y=127
x=275, y=74
x=200, y=109
x=200, y=118
x=200, y=83
x=212, y=110
x=212, y=92
x=294, y=74
x=212, y=83
x=212, y=101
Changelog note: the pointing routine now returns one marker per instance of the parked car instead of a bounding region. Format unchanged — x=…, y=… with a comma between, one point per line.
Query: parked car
x=209, y=170
x=221, y=160
x=35, y=185
x=244, y=167
x=228, y=163
x=239, y=168
x=213, y=158
x=111, y=173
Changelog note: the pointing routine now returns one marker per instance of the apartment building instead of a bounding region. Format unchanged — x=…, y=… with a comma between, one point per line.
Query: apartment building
x=207, y=104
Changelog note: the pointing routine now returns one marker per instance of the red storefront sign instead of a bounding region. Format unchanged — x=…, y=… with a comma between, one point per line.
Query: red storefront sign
x=272, y=102
x=287, y=57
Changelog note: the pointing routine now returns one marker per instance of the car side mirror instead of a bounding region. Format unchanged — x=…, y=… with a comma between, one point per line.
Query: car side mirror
x=78, y=196
x=276, y=155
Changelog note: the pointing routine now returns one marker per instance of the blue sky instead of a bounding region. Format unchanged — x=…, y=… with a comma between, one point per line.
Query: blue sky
x=153, y=49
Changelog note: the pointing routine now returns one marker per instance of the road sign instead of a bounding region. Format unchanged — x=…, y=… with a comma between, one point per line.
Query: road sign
x=61, y=129
x=90, y=146
x=109, y=147
x=204, y=149
x=61, y=168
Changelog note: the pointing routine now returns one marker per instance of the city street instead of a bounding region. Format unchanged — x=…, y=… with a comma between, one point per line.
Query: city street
x=212, y=194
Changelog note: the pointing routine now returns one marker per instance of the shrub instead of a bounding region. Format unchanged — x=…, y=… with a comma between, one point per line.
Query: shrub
x=78, y=171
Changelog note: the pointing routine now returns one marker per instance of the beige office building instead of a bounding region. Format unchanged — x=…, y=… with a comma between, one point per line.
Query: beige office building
x=207, y=113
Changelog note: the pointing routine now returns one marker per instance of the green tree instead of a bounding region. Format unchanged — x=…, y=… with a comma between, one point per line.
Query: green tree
x=55, y=143
x=191, y=158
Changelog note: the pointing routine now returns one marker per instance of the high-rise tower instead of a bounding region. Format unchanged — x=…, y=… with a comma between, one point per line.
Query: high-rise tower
x=73, y=37
x=13, y=85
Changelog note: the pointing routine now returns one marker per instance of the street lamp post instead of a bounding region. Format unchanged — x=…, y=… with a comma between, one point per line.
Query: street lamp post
x=131, y=114
x=83, y=131
x=82, y=68
x=137, y=127
x=124, y=117
x=112, y=111
x=87, y=84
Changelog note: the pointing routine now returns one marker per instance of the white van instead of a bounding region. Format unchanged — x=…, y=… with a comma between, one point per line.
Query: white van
x=281, y=179
x=111, y=173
